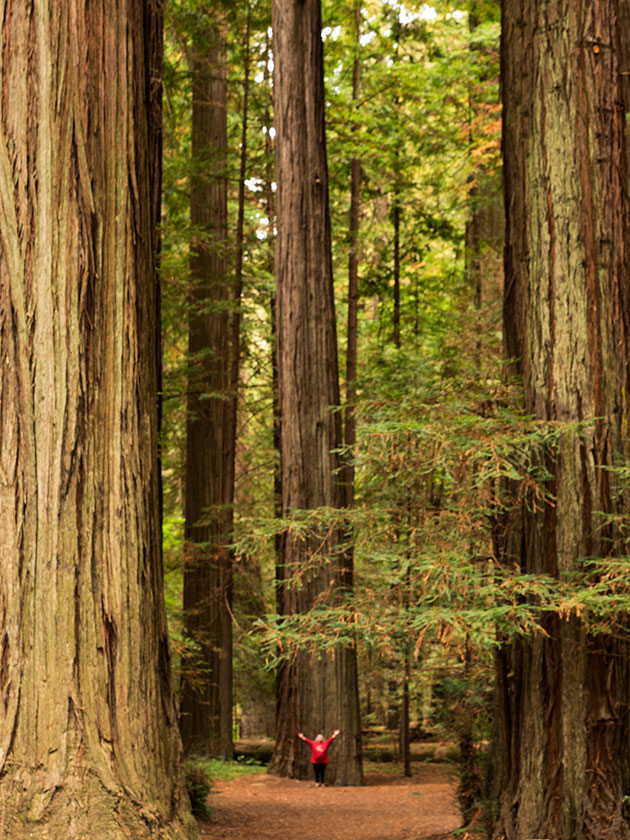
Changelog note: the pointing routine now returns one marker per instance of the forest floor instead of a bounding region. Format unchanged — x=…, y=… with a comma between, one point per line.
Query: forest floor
x=388, y=807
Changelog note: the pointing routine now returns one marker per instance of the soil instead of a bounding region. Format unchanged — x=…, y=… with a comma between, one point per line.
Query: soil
x=388, y=807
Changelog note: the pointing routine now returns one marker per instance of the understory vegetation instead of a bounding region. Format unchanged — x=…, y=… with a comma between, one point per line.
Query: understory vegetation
x=444, y=455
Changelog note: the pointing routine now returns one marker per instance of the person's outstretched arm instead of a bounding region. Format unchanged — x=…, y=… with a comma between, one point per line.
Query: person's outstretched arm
x=329, y=741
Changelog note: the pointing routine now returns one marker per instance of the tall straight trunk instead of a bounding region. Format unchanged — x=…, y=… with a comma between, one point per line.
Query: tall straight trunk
x=319, y=694
x=396, y=221
x=350, y=432
x=235, y=324
x=484, y=275
x=89, y=744
x=206, y=702
x=396, y=204
x=400, y=687
x=562, y=700
x=405, y=732
x=485, y=223
x=271, y=217
x=154, y=23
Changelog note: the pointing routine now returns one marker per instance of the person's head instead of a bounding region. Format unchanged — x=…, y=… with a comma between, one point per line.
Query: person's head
x=319, y=737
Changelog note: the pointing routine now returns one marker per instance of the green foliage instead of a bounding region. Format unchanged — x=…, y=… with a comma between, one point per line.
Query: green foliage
x=185, y=19
x=445, y=459
x=172, y=544
x=218, y=770
x=198, y=784
x=200, y=772
x=421, y=505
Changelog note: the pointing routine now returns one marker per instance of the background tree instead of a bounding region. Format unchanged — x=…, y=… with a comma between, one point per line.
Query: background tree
x=319, y=694
x=562, y=745
x=253, y=589
x=354, y=218
x=206, y=701
x=88, y=736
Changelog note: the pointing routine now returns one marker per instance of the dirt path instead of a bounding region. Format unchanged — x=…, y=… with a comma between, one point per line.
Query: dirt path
x=263, y=807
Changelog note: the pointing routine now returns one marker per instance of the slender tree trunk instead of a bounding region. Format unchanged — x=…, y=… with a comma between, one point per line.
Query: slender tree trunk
x=235, y=326
x=484, y=274
x=206, y=703
x=400, y=686
x=485, y=224
x=350, y=433
x=405, y=733
x=562, y=700
x=89, y=745
x=396, y=220
x=154, y=23
x=405, y=754
x=271, y=217
x=319, y=694
x=396, y=206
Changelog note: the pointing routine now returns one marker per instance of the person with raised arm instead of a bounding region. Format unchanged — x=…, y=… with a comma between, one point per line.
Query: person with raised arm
x=319, y=754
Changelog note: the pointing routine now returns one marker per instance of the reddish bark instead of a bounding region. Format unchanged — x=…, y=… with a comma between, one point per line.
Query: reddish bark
x=318, y=694
x=562, y=754
x=206, y=701
x=88, y=735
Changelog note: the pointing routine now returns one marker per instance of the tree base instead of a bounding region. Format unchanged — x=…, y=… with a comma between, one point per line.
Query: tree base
x=84, y=809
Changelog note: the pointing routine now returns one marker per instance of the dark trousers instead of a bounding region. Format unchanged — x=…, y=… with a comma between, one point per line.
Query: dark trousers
x=320, y=771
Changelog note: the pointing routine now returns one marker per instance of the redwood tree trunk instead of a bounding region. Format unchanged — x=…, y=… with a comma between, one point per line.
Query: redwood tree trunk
x=563, y=700
x=319, y=694
x=206, y=702
x=89, y=745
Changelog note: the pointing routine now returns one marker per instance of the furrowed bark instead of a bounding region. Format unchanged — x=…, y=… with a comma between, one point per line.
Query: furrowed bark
x=318, y=694
x=88, y=735
x=206, y=703
x=562, y=757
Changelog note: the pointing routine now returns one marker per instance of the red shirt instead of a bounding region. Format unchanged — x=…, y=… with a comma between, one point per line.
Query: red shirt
x=319, y=750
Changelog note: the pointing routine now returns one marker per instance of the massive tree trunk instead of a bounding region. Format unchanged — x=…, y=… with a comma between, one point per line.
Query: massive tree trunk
x=317, y=694
x=206, y=702
x=562, y=713
x=89, y=745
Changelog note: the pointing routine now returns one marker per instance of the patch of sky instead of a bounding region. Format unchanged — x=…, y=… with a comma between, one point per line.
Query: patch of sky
x=254, y=184
x=331, y=32
x=427, y=13
x=262, y=230
x=406, y=16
